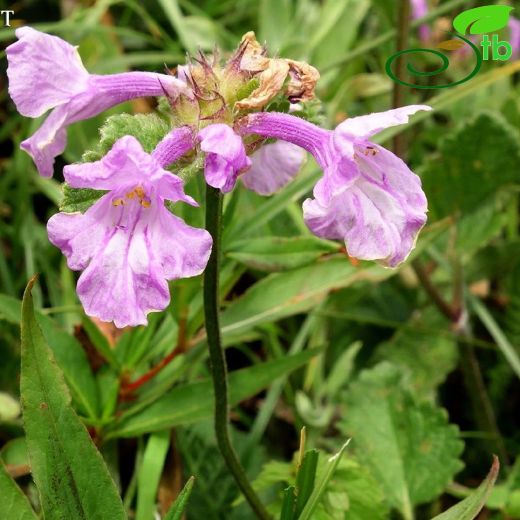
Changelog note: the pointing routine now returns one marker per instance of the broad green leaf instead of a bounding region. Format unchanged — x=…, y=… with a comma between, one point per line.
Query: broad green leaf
x=425, y=356
x=150, y=473
x=480, y=20
x=280, y=253
x=70, y=474
x=284, y=294
x=471, y=506
x=178, y=507
x=477, y=229
x=478, y=159
x=14, y=504
x=68, y=352
x=410, y=448
x=193, y=402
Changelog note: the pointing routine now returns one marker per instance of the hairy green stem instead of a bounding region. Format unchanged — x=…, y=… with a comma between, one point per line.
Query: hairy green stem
x=216, y=354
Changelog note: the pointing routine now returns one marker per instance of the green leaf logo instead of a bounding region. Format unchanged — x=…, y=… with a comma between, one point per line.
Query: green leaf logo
x=480, y=20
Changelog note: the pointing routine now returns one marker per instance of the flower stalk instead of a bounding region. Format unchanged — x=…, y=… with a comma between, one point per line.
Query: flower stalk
x=217, y=356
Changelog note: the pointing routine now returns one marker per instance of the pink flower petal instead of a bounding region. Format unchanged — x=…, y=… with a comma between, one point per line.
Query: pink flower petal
x=273, y=166
x=44, y=72
x=379, y=216
x=366, y=126
x=225, y=156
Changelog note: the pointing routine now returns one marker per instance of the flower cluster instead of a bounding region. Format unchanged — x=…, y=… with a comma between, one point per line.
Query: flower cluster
x=128, y=244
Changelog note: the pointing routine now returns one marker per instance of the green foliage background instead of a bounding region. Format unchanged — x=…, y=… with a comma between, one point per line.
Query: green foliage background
x=346, y=349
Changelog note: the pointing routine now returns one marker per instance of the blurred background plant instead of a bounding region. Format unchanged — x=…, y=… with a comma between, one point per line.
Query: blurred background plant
x=419, y=366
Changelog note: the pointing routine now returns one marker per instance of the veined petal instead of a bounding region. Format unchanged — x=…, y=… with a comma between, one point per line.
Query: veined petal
x=379, y=216
x=273, y=166
x=125, y=164
x=225, y=156
x=366, y=126
x=48, y=141
x=128, y=253
x=44, y=72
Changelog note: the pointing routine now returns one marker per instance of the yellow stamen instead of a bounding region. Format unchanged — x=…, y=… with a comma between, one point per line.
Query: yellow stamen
x=118, y=202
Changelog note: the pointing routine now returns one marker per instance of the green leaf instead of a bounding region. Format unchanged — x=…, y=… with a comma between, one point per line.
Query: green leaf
x=178, y=507
x=478, y=159
x=305, y=480
x=280, y=253
x=194, y=401
x=410, y=448
x=287, y=510
x=68, y=352
x=70, y=474
x=148, y=129
x=480, y=20
x=284, y=294
x=424, y=354
x=78, y=199
x=150, y=473
x=15, y=505
x=471, y=506
x=320, y=488
x=274, y=18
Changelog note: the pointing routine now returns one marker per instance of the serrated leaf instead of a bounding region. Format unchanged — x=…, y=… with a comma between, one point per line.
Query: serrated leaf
x=72, y=478
x=478, y=159
x=471, y=506
x=15, y=505
x=280, y=253
x=409, y=447
x=193, y=402
x=480, y=20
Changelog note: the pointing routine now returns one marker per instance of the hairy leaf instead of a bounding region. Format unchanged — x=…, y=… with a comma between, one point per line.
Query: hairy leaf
x=478, y=159
x=69, y=472
x=410, y=448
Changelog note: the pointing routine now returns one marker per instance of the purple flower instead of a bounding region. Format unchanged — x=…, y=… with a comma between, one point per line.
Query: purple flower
x=273, y=166
x=420, y=9
x=367, y=197
x=128, y=244
x=514, y=36
x=225, y=156
x=45, y=72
